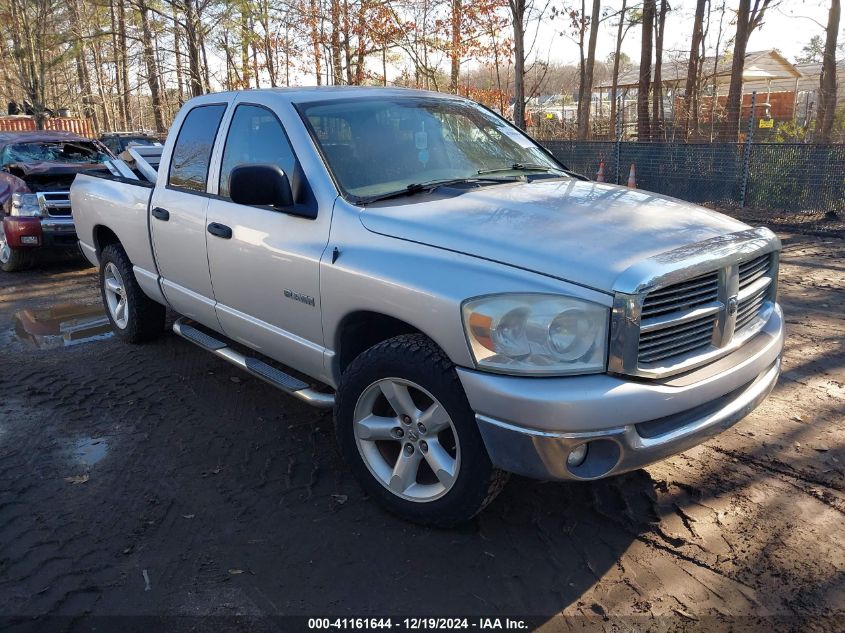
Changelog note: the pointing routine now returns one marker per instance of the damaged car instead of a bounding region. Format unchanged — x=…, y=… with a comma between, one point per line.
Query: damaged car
x=36, y=171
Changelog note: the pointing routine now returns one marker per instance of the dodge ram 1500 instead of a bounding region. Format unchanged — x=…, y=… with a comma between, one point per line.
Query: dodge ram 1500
x=466, y=305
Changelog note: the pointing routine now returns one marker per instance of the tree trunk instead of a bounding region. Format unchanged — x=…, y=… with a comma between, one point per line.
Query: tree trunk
x=614, y=88
x=730, y=125
x=692, y=89
x=455, y=47
x=245, y=37
x=517, y=8
x=337, y=65
x=584, y=118
x=657, y=101
x=177, y=46
x=192, y=41
x=124, y=62
x=313, y=19
x=152, y=68
x=643, y=123
x=827, y=83
x=118, y=85
x=748, y=18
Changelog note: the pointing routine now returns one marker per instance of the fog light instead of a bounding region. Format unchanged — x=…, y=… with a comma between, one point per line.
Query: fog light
x=32, y=240
x=577, y=456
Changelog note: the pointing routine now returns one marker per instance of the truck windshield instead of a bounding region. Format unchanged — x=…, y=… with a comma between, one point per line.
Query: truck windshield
x=54, y=152
x=378, y=147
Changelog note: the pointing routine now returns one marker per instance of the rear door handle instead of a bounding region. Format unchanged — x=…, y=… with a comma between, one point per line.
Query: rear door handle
x=220, y=230
x=161, y=214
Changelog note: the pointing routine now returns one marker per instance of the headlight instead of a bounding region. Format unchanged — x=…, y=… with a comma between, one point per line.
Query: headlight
x=537, y=334
x=25, y=204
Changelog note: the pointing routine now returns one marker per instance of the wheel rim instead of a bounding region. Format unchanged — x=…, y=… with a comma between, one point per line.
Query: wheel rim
x=5, y=249
x=407, y=440
x=116, y=299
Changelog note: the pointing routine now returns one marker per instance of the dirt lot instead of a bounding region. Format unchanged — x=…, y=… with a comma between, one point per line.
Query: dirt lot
x=157, y=480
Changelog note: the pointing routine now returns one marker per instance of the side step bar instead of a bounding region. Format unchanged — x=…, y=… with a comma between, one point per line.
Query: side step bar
x=258, y=368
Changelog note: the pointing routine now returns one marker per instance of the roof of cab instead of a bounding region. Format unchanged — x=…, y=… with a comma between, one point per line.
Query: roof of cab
x=331, y=93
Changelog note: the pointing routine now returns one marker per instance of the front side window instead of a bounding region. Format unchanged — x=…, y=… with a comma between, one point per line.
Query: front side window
x=192, y=153
x=382, y=145
x=256, y=137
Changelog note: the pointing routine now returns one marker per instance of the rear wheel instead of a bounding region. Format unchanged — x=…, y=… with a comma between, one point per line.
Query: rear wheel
x=405, y=427
x=12, y=259
x=134, y=316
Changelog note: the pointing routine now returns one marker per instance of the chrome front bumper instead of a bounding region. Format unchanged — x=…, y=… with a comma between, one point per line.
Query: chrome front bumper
x=530, y=425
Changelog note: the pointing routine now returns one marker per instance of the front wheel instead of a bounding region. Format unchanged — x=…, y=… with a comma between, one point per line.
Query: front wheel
x=405, y=427
x=12, y=259
x=134, y=317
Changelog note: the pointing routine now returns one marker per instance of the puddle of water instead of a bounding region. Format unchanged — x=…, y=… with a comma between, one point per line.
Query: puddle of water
x=62, y=325
x=90, y=450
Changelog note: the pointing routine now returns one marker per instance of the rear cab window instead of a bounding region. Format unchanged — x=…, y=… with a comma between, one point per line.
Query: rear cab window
x=192, y=153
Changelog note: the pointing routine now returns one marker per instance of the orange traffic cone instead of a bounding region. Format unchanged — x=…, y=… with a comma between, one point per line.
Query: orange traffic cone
x=632, y=177
x=600, y=174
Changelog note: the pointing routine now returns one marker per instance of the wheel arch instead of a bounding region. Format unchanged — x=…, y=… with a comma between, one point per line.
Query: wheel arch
x=360, y=330
x=104, y=236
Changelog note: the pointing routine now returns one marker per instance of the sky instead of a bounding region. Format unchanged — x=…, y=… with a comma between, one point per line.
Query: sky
x=784, y=28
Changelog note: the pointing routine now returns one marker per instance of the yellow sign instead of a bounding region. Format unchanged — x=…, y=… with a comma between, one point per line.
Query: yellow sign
x=767, y=123
x=549, y=115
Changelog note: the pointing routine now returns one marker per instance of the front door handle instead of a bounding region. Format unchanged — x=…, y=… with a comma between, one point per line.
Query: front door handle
x=161, y=214
x=220, y=230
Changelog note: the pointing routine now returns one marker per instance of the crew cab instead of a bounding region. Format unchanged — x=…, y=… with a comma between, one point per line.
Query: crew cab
x=36, y=170
x=466, y=305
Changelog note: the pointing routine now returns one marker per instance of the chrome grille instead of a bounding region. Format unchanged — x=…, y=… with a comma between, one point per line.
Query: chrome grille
x=677, y=339
x=55, y=204
x=682, y=296
x=754, y=281
x=692, y=315
x=687, y=307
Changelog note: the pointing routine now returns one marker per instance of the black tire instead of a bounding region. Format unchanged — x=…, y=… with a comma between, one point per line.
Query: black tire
x=415, y=358
x=18, y=260
x=145, y=318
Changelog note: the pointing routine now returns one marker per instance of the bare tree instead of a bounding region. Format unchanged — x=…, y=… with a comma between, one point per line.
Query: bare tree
x=657, y=113
x=585, y=92
x=643, y=122
x=693, y=88
x=518, y=15
x=748, y=18
x=827, y=82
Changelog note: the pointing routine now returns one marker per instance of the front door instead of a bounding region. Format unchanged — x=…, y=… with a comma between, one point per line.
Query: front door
x=178, y=208
x=266, y=269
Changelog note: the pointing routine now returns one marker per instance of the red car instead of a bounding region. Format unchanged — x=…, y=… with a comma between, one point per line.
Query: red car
x=36, y=170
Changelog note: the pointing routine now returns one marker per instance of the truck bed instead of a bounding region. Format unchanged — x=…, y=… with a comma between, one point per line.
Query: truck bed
x=120, y=204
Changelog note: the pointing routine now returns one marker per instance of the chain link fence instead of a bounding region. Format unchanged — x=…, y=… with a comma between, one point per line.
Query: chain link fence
x=792, y=186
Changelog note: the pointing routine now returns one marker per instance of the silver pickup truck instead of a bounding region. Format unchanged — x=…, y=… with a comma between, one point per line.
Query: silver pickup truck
x=467, y=305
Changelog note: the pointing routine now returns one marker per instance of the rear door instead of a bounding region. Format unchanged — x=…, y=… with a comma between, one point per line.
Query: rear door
x=179, y=206
x=266, y=271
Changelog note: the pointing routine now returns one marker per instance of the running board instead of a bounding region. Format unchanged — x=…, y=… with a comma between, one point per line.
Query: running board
x=258, y=368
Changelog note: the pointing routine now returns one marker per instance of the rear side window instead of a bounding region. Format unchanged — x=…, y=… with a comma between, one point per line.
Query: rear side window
x=192, y=153
x=255, y=137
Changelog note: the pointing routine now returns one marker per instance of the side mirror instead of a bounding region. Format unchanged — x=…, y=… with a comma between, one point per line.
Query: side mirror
x=260, y=185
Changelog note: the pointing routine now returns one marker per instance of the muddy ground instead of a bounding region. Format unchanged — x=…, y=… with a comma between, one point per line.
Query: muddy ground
x=157, y=480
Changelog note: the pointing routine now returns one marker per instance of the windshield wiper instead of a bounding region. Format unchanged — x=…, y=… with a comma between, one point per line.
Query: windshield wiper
x=518, y=167
x=427, y=187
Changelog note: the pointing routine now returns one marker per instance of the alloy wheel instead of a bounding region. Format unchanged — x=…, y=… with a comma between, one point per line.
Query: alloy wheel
x=407, y=440
x=116, y=299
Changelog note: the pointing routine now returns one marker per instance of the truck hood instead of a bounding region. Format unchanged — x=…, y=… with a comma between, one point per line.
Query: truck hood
x=582, y=232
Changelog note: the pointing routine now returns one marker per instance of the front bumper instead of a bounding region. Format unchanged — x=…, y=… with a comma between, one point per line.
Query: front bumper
x=531, y=425
x=34, y=232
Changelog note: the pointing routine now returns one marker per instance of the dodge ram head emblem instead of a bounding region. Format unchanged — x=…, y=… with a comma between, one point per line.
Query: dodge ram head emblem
x=733, y=305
